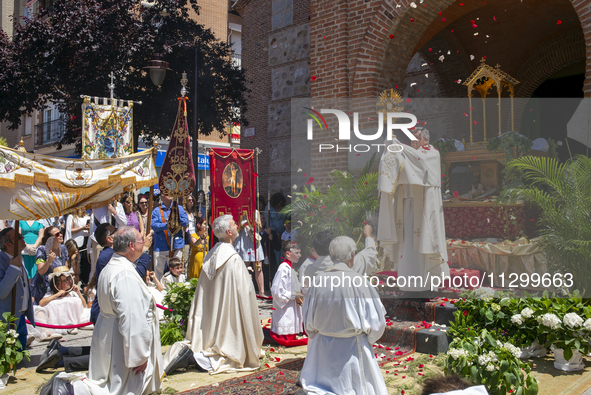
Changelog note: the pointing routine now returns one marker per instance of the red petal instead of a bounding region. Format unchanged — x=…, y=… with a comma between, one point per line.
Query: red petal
x=273, y=308
x=281, y=373
x=313, y=78
x=391, y=36
x=311, y=179
x=558, y=22
x=408, y=100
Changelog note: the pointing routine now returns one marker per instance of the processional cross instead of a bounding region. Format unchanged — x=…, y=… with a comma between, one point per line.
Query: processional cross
x=111, y=86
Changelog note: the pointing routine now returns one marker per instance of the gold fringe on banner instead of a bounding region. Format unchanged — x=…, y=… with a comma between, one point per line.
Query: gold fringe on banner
x=7, y=183
x=41, y=177
x=23, y=179
x=114, y=179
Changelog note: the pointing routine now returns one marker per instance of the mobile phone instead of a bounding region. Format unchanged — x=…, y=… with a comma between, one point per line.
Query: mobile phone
x=87, y=222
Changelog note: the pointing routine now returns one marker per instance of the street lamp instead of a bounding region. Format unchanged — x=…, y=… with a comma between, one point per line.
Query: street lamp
x=157, y=68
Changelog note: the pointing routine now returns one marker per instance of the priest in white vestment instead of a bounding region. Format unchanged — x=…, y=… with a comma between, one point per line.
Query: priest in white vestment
x=224, y=329
x=364, y=264
x=125, y=356
x=343, y=317
x=411, y=226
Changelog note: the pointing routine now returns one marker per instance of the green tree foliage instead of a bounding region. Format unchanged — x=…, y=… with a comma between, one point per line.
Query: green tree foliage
x=563, y=192
x=70, y=49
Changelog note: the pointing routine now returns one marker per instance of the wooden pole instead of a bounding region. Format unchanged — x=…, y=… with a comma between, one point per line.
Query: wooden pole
x=151, y=197
x=470, y=107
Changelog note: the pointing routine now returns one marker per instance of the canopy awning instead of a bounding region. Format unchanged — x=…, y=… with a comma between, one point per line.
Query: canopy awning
x=34, y=186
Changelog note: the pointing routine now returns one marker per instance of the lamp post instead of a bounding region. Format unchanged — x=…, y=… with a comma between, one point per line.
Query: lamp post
x=157, y=68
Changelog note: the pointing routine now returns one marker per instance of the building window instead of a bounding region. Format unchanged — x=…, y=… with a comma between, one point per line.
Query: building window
x=282, y=13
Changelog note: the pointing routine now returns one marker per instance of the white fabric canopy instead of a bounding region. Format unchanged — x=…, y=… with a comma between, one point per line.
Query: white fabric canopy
x=36, y=186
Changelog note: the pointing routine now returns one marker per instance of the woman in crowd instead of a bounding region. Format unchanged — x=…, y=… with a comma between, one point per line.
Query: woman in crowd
x=192, y=215
x=199, y=243
x=201, y=204
x=245, y=247
x=64, y=303
x=73, y=259
x=143, y=209
x=78, y=230
x=132, y=216
x=50, y=255
x=156, y=289
x=32, y=231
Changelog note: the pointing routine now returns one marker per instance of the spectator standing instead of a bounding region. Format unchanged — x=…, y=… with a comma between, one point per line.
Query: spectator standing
x=143, y=211
x=78, y=229
x=132, y=217
x=49, y=256
x=199, y=248
x=32, y=231
x=12, y=272
x=167, y=246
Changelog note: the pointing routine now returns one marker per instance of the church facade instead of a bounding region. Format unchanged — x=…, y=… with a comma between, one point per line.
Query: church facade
x=335, y=54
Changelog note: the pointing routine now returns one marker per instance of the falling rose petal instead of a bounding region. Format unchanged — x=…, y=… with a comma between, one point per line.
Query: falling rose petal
x=452, y=30
x=304, y=175
x=456, y=194
x=430, y=49
x=313, y=78
x=474, y=25
x=558, y=22
x=272, y=308
x=443, y=20
x=475, y=123
x=324, y=37
x=267, y=365
x=391, y=36
x=465, y=114
x=311, y=179
x=277, y=359
x=441, y=58
x=413, y=5
x=474, y=157
x=418, y=90
x=426, y=75
x=408, y=100
x=412, y=19
x=413, y=84
x=260, y=377
x=471, y=57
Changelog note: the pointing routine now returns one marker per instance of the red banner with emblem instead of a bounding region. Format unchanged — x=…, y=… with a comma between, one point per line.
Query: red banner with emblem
x=233, y=186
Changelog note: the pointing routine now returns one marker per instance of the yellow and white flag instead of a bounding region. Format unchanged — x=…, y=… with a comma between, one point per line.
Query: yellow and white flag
x=36, y=186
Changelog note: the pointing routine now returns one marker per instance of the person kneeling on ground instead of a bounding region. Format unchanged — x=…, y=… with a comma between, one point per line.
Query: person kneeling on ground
x=287, y=322
x=224, y=332
x=342, y=319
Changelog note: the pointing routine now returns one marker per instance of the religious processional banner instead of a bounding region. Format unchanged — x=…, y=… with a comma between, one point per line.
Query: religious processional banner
x=232, y=183
x=36, y=186
x=107, y=130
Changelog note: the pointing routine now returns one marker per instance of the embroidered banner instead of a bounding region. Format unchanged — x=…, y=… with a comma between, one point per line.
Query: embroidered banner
x=107, y=130
x=177, y=177
x=36, y=186
x=232, y=183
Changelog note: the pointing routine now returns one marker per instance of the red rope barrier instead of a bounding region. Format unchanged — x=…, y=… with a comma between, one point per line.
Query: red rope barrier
x=78, y=325
x=59, y=326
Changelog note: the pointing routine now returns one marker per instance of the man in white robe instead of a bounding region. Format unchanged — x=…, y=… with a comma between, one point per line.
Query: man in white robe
x=364, y=264
x=411, y=226
x=343, y=317
x=224, y=330
x=125, y=356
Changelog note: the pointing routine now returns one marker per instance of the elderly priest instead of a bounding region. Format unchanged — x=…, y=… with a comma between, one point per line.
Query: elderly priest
x=343, y=317
x=411, y=227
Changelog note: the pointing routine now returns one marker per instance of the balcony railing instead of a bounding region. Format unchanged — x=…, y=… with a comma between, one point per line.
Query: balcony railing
x=236, y=60
x=50, y=132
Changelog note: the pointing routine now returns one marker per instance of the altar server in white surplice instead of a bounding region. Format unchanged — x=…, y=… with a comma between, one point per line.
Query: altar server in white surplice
x=411, y=226
x=343, y=317
x=125, y=356
x=287, y=320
